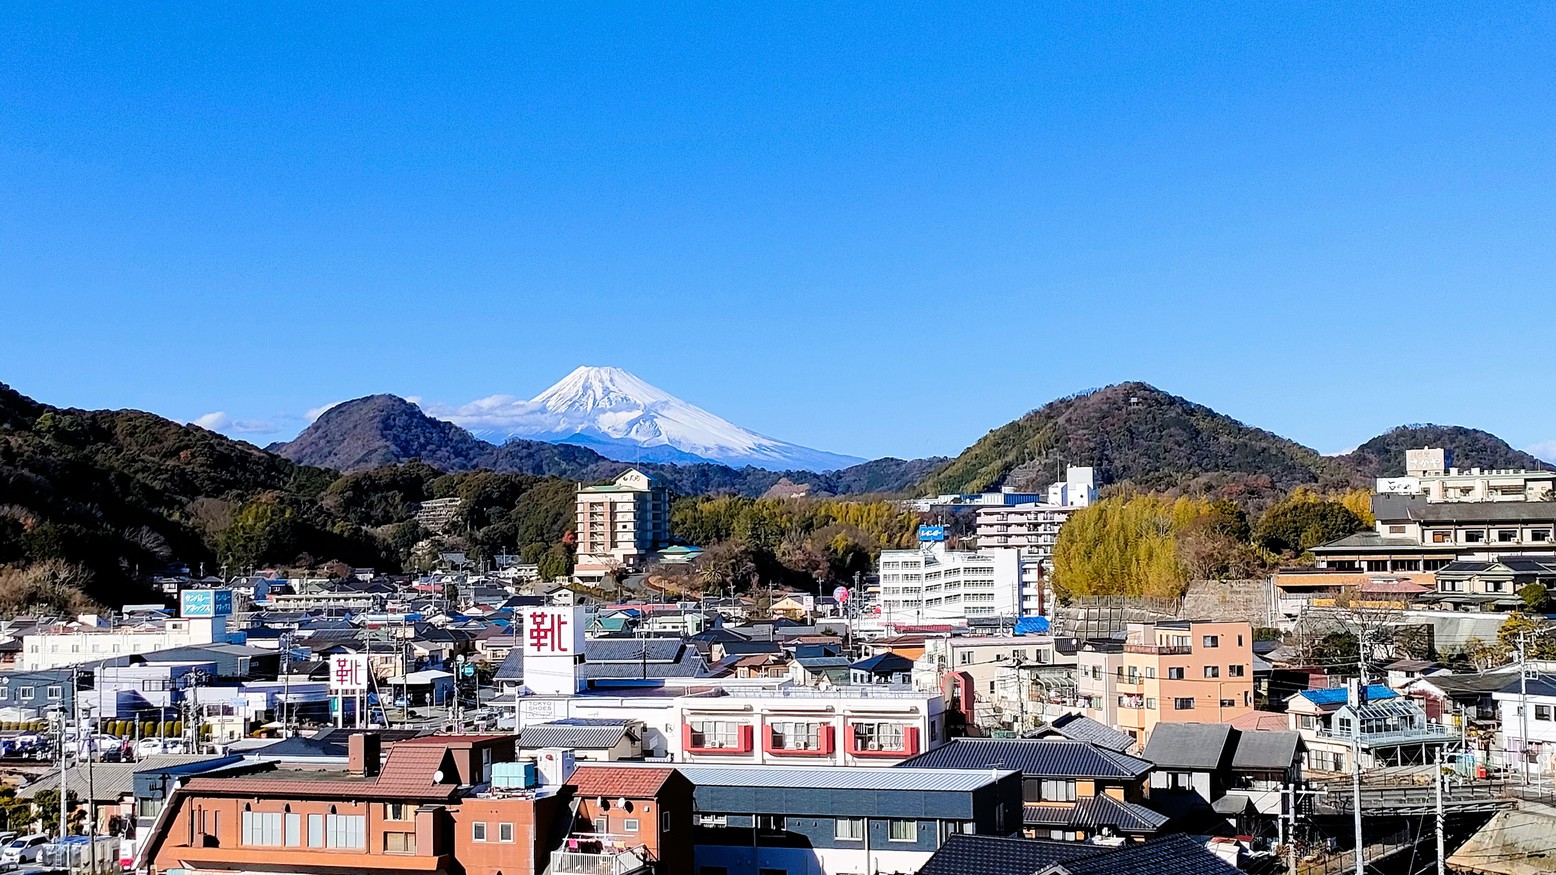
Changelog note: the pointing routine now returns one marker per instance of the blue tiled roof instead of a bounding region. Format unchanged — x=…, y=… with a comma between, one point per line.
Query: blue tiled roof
x=1337, y=695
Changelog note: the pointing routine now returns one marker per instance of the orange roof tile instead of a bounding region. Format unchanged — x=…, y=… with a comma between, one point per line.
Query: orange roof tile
x=614, y=781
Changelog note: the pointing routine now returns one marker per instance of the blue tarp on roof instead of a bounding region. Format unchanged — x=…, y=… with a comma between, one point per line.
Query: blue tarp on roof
x=1337, y=695
x=1032, y=626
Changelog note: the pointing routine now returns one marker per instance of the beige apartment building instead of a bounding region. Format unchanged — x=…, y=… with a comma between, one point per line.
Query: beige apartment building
x=621, y=524
x=1184, y=671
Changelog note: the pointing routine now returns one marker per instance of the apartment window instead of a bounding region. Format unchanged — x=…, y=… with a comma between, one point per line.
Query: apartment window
x=1236, y=671
x=1507, y=536
x=1540, y=535
x=26, y=695
x=1055, y=790
x=399, y=843
x=601, y=826
x=903, y=831
x=1442, y=537
x=1542, y=712
x=715, y=734
x=345, y=831
x=1212, y=671
x=849, y=829
x=1474, y=537
x=790, y=735
x=1175, y=673
x=315, y=830
x=1212, y=640
x=478, y=832
x=966, y=657
x=1150, y=704
x=664, y=821
x=771, y=822
x=262, y=828
x=5, y=693
x=628, y=825
x=399, y=811
x=505, y=830
x=1229, y=703
x=1377, y=565
x=1396, y=530
x=1183, y=704
x=1179, y=780
x=878, y=736
x=56, y=693
x=294, y=830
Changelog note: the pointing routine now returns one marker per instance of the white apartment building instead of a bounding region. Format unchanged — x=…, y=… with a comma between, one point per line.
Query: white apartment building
x=621, y=524
x=89, y=639
x=935, y=583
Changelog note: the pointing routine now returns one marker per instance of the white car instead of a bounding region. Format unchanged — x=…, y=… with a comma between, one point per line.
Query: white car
x=150, y=747
x=23, y=850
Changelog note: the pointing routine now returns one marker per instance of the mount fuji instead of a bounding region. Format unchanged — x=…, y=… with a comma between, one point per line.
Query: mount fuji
x=622, y=417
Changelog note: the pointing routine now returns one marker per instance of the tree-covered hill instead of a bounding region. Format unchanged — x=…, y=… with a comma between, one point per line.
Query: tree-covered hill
x=1384, y=455
x=1133, y=433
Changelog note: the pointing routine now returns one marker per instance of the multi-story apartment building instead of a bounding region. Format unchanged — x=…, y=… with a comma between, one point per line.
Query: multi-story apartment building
x=621, y=524
x=1000, y=697
x=1184, y=671
x=936, y=583
x=1099, y=667
x=91, y=639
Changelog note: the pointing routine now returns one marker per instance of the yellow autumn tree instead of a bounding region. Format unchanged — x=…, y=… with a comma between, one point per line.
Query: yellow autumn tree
x=1126, y=545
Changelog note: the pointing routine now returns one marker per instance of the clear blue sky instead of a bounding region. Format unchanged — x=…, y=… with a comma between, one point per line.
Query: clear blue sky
x=870, y=230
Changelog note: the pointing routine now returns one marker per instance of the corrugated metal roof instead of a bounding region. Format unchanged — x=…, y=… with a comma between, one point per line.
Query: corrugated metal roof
x=569, y=735
x=840, y=777
x=1057, y=758
x=1337, y=695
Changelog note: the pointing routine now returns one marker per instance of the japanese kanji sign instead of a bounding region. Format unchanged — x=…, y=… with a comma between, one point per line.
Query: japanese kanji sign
x=549, y=632
x=348, y=673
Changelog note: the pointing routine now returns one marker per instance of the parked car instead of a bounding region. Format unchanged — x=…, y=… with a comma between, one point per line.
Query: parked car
x=150, y=747
x=24, y=849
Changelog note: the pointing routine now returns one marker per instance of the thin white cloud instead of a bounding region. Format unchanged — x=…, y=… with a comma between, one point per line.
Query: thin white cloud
x=317, y=412
x=1544, y=449
x=499, y=413
x=219, y=421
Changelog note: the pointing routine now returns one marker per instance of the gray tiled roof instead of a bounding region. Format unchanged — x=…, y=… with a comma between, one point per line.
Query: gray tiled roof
x=964, y=854
x=1033, y=757
x=1103, y=810
x=1173, y=855
x=1202, y=747
x=1266, y=749
x=1082, y=728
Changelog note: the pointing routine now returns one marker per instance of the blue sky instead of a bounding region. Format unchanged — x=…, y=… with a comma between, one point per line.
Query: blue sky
x=873, y=230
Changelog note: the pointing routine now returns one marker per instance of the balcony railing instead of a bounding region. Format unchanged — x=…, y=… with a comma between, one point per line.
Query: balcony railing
x=1431, y=732
x=576, y=863
x=1159, y=649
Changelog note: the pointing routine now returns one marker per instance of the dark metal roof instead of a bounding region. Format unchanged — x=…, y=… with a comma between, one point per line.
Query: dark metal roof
x=1173, y=855
x=1049, y=758
x=577, y=733
x=964, y=854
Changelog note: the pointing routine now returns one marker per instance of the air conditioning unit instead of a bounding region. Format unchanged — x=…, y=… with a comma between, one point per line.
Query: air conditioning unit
x=874, y=745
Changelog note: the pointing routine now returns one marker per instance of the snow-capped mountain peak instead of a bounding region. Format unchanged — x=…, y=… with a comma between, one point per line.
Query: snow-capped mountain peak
x=624, y=417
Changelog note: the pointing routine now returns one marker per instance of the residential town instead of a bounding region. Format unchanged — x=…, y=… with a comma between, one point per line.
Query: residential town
x=949, y=714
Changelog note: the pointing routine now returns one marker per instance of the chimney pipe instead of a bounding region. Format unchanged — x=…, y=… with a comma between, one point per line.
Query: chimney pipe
x=363, y=750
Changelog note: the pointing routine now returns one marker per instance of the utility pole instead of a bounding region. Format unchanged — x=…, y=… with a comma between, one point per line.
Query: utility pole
x=1356, y=796
x=1437, y=784
x=1523, y=703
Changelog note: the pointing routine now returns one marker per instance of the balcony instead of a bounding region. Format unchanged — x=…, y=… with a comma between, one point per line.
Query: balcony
x=578, y=863
x=1431, y=733
x=1159, y=649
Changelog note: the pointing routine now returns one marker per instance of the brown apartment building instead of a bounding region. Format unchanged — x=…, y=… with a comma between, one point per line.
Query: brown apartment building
x=427, y=809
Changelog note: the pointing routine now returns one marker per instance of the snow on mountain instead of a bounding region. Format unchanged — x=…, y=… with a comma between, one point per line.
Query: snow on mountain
x=622, y=417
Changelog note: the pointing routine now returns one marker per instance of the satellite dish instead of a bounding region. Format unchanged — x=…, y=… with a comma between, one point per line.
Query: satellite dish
x=621, y=802
x=437, y=777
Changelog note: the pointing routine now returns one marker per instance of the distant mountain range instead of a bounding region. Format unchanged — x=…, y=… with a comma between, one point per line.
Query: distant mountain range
x=1134, y=434
x=385, y=429
x=622, y=417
